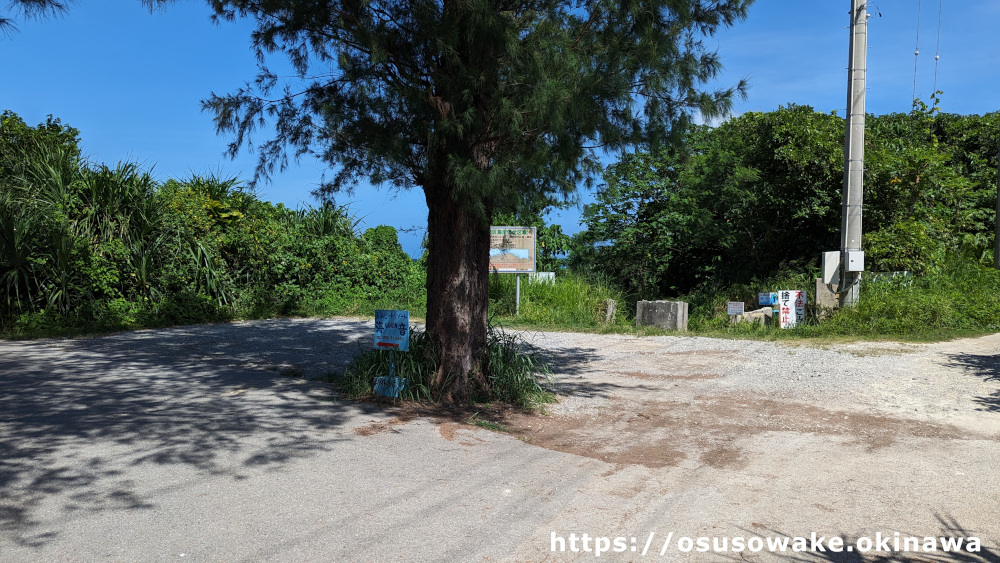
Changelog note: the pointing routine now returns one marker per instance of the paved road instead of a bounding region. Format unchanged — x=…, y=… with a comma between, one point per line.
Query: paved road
x=189, y=444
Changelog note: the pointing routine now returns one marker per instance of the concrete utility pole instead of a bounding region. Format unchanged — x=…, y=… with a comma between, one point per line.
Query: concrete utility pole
x=996, y=242
x=851, y=257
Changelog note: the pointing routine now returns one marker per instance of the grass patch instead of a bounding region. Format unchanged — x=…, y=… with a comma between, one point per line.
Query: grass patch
x=515, y=373
x=961, y=301
x=488, y=424
x=571, y=302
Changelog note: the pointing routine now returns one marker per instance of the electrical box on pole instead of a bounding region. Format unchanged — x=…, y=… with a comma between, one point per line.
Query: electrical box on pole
x=831, y=267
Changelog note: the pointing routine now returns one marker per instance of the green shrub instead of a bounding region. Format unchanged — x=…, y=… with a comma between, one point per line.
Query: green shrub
x=963, y=297
x=94, y=247
x=514, y=371
x=573, y=301
x=904, y=246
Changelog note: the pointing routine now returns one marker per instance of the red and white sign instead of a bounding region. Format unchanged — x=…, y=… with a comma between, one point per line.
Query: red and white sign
x=791, y=308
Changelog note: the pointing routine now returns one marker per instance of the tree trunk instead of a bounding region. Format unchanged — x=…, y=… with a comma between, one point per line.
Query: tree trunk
x=458, y=241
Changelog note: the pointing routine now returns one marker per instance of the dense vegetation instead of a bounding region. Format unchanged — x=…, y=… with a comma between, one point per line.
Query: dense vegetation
x=90, y=246
x=760, y=194
x=749, y=205
x=733, y=210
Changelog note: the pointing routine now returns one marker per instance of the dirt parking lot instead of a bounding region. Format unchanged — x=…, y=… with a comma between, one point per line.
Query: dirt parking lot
x=204, y=443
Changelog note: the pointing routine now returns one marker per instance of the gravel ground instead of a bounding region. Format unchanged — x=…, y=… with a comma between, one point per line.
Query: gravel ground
x=950, y=381
x=205, y=443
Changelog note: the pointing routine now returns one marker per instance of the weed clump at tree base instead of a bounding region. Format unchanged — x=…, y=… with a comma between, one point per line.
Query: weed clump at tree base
x=514, y=372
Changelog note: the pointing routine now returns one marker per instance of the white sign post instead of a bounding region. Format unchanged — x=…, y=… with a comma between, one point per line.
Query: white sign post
x=791, y=308
x=734, y=308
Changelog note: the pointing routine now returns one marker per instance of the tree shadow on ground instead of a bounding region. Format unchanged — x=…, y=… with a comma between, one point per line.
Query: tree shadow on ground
x=569, y=366
x=948, y=527
x=985, y=366
x=78, y=417
x=569, y=361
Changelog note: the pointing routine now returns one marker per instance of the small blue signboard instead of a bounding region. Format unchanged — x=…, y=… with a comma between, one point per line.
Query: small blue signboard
x=389, y=386
x=767, y=298
x=392, y=330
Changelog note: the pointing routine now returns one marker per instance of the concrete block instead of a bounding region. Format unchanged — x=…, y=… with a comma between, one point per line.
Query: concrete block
x=610, y=307
x=667, y=315
x=764, y=316
x=826, y=298
x=542, y=277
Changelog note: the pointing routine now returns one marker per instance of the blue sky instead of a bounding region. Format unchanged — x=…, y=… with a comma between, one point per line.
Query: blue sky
x=132, y=81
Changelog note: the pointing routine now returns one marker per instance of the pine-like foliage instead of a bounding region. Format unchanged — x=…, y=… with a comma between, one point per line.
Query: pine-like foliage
x=497, y=99
x=28, y=9
x=483, y=104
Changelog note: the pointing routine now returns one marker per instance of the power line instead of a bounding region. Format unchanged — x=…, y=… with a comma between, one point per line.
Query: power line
x=916, y=52
x=937, y=49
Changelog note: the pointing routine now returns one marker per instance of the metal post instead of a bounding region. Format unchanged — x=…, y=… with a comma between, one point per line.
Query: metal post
x=517, y=295
x=854, y=152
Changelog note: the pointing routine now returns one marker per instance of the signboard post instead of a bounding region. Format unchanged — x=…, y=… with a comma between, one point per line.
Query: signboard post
x=512, y=250
x=392, y=332
x=791, y=308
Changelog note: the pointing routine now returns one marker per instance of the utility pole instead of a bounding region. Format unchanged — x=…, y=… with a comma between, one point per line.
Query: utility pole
x=996, y=241
x=851, y=256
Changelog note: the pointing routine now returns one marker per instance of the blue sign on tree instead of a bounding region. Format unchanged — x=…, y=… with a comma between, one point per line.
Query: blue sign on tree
x=392, y=330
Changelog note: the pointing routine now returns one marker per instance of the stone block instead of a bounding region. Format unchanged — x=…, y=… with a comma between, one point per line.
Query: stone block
x=610, y=307
x=667, y=315
x=764, y=316
x=542, y=277
x=826, y=298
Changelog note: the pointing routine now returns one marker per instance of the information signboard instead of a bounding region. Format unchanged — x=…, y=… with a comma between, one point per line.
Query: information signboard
x=791, y=308
x=734, y=308
x=392, y=330
x=512, y=249
x=767, y=298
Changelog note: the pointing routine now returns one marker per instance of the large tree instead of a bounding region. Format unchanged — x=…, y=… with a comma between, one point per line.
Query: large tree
x=479, y=103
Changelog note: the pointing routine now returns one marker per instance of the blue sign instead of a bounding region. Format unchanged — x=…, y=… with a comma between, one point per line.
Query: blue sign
x=767, y=298
x=389, y=386
x=392, y=330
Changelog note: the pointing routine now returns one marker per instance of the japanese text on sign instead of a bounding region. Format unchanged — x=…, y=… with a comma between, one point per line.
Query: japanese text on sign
x=791, y=308
x=512, y=249
x=767, y=298
x=392, y=330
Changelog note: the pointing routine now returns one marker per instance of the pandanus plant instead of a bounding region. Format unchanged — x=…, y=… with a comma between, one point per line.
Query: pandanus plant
x=18, y=271
x=113, y=199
